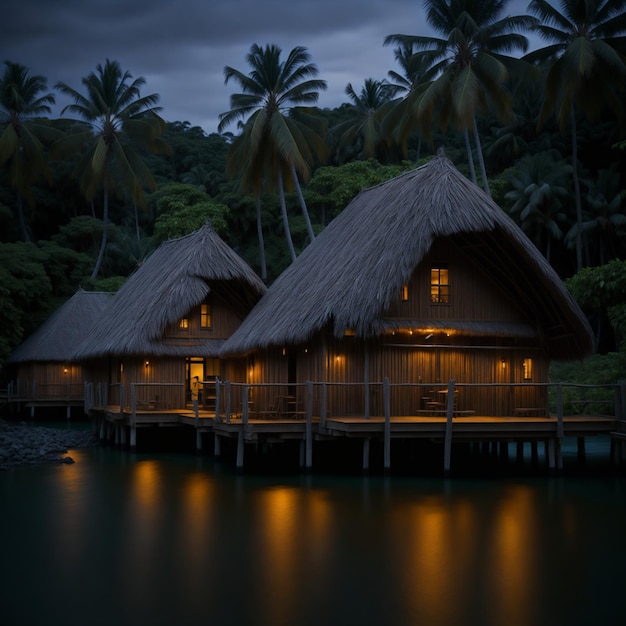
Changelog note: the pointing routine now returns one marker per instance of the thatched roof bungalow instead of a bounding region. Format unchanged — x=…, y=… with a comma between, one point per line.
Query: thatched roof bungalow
x=420, y=279
x=169, y=321
x=44, y=365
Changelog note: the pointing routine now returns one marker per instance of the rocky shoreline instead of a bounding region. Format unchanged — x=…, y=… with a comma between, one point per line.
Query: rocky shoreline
x=24, y=444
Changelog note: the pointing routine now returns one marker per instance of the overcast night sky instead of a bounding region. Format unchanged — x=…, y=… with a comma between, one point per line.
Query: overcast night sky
x=181, y=46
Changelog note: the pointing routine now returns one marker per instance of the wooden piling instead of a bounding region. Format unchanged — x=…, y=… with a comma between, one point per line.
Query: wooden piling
x=447, y=446
x=387, y=428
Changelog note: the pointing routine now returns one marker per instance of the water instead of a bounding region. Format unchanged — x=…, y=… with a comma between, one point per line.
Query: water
x=171, y=539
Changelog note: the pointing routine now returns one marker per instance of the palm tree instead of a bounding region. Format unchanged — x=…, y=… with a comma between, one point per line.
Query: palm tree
x=585, y=68
x=117, y=119
x=23, y=132
x=410, y=84
x=280, y=139
x=469, y=65
x=606, y=217
x=539, y=184
x=368, y=110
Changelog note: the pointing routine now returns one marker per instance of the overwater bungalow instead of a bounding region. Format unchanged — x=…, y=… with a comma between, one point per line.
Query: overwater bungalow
x=168, y=323
x=420, y=281
x=44, y=372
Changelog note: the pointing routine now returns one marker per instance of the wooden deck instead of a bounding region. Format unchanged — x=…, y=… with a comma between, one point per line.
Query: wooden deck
x=121, y=428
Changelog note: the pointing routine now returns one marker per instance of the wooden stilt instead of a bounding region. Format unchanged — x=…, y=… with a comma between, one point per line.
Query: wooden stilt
x=520, y=452
x=366, y=454
x=447, y=454
x=198, y=440
x=240, y=449
x=309, y=426
x=581, y=455
x=534, y=453
x=550, y=453
x=217, y=447
x=387, y=430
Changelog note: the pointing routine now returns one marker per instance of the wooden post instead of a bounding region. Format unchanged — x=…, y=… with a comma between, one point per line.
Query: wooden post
x=447, y=446
x=366, y=454
x=520, y=452
x=323, y=407
x=218, y=394
x=550, y=452
x=366, y=379
x=217, y=447
x=308, y=437
x=244, y=409
x=620, y=400
x=198, y=439
x=387, y=430
x=244, y=420
x=133, y=414
x=228, y=399
x=559, y=426
x=240, y=449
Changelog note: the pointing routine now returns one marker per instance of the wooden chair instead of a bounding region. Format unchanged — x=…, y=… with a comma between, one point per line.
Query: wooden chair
x=271, y=412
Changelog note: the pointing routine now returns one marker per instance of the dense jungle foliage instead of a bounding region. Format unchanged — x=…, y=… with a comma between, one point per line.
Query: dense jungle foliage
x=83, y=203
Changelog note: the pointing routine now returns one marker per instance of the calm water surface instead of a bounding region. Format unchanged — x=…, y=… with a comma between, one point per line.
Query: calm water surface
x=155, y=539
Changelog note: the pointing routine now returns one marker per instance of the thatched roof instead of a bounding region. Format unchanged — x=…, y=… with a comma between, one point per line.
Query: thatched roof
x=175, y=278
x=58, y=337
x=355, y=268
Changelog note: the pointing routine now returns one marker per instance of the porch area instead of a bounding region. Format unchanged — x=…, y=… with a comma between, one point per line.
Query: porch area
x=260, y=414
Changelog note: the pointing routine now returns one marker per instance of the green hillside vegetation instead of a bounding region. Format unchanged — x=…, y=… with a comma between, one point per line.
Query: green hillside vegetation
x=83, y=202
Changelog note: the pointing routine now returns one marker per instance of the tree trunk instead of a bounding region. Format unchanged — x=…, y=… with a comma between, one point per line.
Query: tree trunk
x=259, y=230
x=137, y=234
x=579, y=209
x=105, y=225
x=470, y=159
x=20, y=213
x=481, y=159
x=283, y=210
x=305, y=212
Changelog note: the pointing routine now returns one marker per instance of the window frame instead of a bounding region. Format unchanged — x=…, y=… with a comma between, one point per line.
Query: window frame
x=206, y=316
x=439, y=292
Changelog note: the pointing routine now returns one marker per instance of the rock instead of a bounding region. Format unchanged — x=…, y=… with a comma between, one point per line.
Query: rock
x=21, y=444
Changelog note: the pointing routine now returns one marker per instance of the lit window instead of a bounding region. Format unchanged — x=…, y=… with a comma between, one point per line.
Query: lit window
x=206, y=318
x=184, y=323
x=439, y=285
x=404, y=294
x=527, y=367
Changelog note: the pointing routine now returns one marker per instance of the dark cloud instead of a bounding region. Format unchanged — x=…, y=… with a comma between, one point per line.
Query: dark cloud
x=181, y=46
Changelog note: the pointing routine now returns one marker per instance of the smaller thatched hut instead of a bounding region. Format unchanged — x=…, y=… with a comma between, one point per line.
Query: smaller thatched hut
x=169, y=321
x=421, y=279
x=46, y=373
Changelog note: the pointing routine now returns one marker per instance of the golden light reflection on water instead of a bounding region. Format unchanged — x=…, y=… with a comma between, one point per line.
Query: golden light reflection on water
x=197, y=503
x=145, y=483
x=513, y=555
x=293, y=538
x=141, y=520
x=441, y=568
